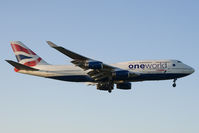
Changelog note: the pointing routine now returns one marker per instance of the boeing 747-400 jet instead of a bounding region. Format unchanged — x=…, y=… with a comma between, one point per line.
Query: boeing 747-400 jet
x=95, y=72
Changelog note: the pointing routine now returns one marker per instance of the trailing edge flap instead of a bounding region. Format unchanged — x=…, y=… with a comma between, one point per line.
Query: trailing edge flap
x=21, y=66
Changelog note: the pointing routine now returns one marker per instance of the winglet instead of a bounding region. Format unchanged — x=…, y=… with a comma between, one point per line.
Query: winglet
x=51, y=44
x=19, y=66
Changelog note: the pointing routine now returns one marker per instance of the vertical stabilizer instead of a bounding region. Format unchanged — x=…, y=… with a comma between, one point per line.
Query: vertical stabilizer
x=25, y=55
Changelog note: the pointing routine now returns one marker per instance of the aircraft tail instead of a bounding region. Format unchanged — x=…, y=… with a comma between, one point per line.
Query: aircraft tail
x=19, y=66
x=25, y=55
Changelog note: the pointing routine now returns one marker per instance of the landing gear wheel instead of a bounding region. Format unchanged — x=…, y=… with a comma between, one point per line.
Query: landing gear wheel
x=174, y=84
x=109, y=91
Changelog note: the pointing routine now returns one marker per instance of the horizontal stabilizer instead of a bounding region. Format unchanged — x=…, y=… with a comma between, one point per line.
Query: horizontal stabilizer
x=21, y=66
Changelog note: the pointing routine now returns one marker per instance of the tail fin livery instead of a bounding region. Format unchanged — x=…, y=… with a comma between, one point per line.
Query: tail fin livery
x=25, y=55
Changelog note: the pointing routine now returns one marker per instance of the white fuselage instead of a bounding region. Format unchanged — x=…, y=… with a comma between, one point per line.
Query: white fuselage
x=147, y=69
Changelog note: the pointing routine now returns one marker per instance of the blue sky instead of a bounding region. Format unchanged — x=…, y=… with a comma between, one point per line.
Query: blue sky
x=110, y=31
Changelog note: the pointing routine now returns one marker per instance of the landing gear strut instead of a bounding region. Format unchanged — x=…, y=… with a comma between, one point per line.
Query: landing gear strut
x=174, y=83
x=111, y=87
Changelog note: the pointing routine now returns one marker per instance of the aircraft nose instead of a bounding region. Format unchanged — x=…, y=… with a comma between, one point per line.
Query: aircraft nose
x=192, y=70
x=189, y=70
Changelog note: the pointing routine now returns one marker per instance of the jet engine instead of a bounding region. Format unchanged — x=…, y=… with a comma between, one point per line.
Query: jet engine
x=124, y=86
x=94, y=65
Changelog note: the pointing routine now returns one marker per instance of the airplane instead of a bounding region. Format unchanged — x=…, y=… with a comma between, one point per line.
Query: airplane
x=94, y=72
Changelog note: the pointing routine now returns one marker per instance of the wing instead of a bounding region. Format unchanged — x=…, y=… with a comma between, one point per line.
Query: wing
x=67, y=52
x=97, y=70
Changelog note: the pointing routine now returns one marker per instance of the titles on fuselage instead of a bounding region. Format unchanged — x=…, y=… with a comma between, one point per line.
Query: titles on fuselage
x=161, y=65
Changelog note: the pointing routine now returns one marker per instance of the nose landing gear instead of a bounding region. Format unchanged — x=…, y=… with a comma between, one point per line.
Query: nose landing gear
x=174, y=83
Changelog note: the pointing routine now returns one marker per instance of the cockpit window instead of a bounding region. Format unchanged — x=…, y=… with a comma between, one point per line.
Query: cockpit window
x=179, y=61
x=174, y=65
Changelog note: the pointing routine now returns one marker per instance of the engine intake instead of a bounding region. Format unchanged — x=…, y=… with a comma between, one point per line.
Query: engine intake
x=124, y=86
x=94, y=65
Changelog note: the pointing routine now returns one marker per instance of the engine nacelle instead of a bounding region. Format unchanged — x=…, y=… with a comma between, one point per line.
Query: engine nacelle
x=94, y=65
x=121, y=74
x=124, y=86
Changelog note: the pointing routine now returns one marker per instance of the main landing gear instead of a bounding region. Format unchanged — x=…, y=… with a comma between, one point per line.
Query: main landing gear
x=174, y=83
x=111, y=87
x=106, y=86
